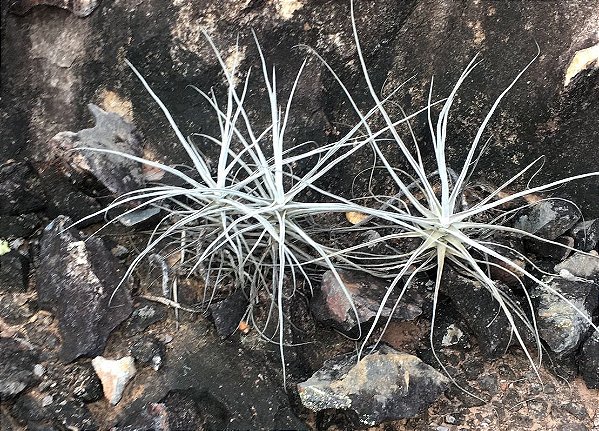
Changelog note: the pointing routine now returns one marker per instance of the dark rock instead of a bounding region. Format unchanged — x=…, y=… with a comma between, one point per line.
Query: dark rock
x=561, y=326
x=31, y=407
x=72, y=414
x=83, y=383
x=14, y=270
x=481, y=312
x=19, y=190
x=589, y=362
x=16, y=308
x=234, y=385
x=385, y=385
x=17, y=362
x=182, y=412
x=145, y=314
x=148, y=351
x=19, y=226
x=576, y=409
x=80, y=8
x=330, y=304
x=73, y=203
x=554, y=252
x=586, y=235
x=549, y=218
x=113, y=133
x=580, y=265
x=228, y=313
x=77, y=280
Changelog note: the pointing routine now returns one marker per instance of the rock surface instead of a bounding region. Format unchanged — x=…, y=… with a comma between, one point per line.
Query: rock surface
x=228, y=313
x=114, y=375
x=548, y=218
x=77, y=281
x=560, y=325
x=589, y=362
x=586, y=235
x=581, y=265
x=384, y=385
x=14, y=269
x=330, y=303
x=17, y=363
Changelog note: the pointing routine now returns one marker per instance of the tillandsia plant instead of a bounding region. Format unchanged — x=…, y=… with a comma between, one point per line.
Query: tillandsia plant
x=429, y=207
x=241, y=223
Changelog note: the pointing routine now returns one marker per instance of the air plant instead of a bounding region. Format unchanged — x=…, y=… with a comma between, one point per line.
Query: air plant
x=428, y=208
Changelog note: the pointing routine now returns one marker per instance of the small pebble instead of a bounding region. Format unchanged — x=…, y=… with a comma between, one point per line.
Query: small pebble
x=114, y=375
x=39, y=370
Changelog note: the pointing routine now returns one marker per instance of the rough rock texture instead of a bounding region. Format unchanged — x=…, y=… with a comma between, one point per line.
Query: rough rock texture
x=62, y=62
x=111, y=133
x=80, y=8
x=14, y=269
x=586, y=235
x=480, y=311
x=548, y=218
x=384, y=385
x=589, y=362
x=76, y=280
x=330, y=303
x=581, y=265
x=228, y=313
x=114, y=375
x=560, y=325
x=17, y=362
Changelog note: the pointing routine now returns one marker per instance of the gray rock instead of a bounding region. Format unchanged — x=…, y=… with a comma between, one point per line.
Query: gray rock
x=76, y=280
x=145, y=314
x=19, y=226
x=385, y=385
x=586, y=235
x=580, y=265
x=80, y=8
x=83, y=383
x=148, y=350
x=111, y=132
x=14, y=269
x=548, y=218
x=17, y=363
x=481, y=312
x=561, y=326
x=589, y=362
x=330, y=303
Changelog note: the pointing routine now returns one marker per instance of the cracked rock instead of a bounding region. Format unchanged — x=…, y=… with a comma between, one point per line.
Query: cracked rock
x=385, y=385
x=330, y=303
x=77, y=281
x=586, y=235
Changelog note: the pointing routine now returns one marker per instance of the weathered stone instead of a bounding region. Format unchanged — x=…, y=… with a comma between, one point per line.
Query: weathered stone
x=589, y=362
x=330, y=303
x=111, y=133
x=83, y=383
x=17, y=362
x=554, y=252
x=19, y=226
x=548, y=218
x=580, y=265
x=481, y=312
x=114, y=375
x=560, y=325
x=586, y=235
x=19, y=190
x=385, y=385
x=145, y=314
x=30, y=408
x=148, y=350
x=228, y=313
x=77, y=281
x=14, y=269
x=80, y=8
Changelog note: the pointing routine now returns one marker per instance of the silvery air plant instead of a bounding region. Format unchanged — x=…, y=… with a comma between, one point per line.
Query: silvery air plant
x=241, y=223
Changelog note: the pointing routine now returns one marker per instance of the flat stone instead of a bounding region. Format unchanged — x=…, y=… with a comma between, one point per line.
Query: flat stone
x=548, y=218
x=385, y=385
x=330, y=303
x=561, y=326
x=580, y=265
x=586, y=235
x=114, y=375
x=17, y=364
x=76, y=280
x=112, y=132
